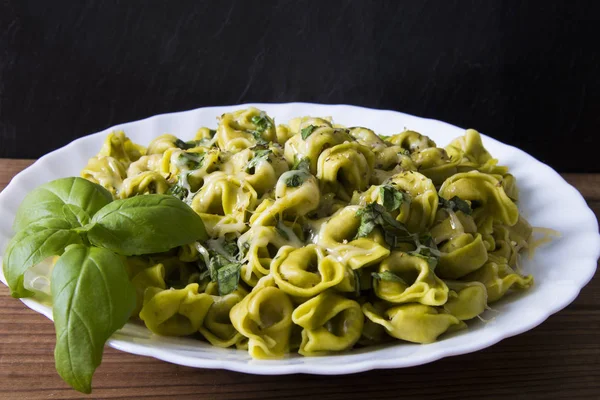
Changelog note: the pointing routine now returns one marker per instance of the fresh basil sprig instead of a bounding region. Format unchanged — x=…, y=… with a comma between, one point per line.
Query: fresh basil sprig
x=91, y=293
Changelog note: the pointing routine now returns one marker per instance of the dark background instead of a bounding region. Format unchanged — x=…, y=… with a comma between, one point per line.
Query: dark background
x=523, y=72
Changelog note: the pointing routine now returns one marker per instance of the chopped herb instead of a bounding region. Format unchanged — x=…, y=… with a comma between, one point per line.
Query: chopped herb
x=306, y=132
x=294, y=181
x=262, y=123
x=228, y=278
x=356, y=283
x=191, y=161
x=456, y=204
x=427, y=249
x=388, y=276
x=178, y=191
x=374, y=215
x=259, y=156
x=302, y=164
x=217, y=261
x=392, y=198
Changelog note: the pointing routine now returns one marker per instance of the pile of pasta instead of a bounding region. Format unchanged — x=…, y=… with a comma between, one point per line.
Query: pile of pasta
x=322, y=237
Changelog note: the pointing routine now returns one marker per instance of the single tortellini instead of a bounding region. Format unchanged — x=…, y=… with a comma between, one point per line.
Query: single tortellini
x=434, y=163
x=483, y=191
x=245, y=128
x=415, y=323
x=403, y=278
x=471, y=153
x=424, y=200
x=449, y=224
x=411, y=141
x=120, y=147
x=162, y=143
x=217, y=326
x=296, y=194
x=190, y=168
x=367, y=137
x=144, y=183
x=345, y=168
x=224, y=200
x=145, y=163
x=260, y=167
x=510, y=240
x=338, y=236
x=173, y=312
x=331, y=323
x=265, y=318
x=461, y=255
x=374, y=333
x=310, y=147
x=307, y=271
x=107, y=172
x=498, y=279
x=261, y=244
x=153, y=276
x=297, y=124
x=283, y=133
x=466, y=300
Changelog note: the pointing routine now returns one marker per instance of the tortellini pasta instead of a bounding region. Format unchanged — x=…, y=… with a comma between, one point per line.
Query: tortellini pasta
x=322, y=237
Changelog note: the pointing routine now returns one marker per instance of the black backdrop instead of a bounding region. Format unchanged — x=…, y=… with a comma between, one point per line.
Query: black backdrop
x=523, y=72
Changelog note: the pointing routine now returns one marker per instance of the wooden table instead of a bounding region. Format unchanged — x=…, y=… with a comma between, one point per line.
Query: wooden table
x=558, y=359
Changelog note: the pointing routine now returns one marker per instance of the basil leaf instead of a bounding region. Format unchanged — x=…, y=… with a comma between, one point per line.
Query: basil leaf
x=306, y=132
x=456, y=204
x=375, y=215
x=152, y=223
x=388, y=276
x=302, y=164
x=75, y=216
x=191, y=161
x=92, y=298
x=217, y=261
x=186, y=145
x=296, y=179
x=262, y=123
x=41, y=240
x=259, y=156
x=392, y=198
x=48, y=200
x=228, y=278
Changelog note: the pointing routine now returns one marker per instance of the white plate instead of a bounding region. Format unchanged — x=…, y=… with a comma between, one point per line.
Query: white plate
x=560, y=269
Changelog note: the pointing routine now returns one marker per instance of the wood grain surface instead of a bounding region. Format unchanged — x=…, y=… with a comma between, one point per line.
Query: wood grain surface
x=559, y=359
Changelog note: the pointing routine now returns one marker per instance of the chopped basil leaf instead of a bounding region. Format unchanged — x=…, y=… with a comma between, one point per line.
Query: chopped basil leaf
x=456, y=204
x=294, y=180
x=375, y=215
x=259, y=156
x=392, y=198
x=427, y=249
x=306, y=132
x=190, y=160
x=189, y=144
x=302, y=164
x=388, y=276
x=178, y=191
x=262, y=123
x=228, y=278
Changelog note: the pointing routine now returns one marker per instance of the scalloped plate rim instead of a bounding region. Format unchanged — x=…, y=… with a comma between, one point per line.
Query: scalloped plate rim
x=279, y=367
